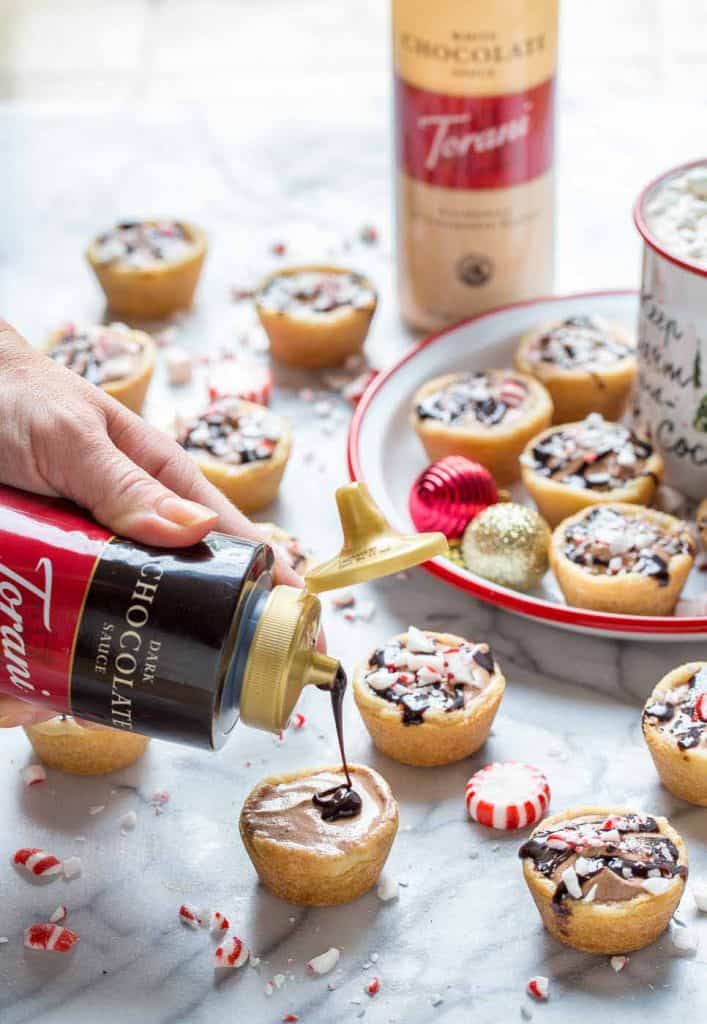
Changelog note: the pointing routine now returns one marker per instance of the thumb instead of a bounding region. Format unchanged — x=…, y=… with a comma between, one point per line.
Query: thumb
x=126, y=499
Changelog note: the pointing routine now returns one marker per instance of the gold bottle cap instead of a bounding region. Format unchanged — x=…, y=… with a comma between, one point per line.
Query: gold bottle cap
x=372, y=548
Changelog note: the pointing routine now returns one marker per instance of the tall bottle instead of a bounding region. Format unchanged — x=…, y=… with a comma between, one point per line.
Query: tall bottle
x=474, y=97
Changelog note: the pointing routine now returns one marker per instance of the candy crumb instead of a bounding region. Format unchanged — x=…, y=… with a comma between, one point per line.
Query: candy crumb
x=618, y=963
x=50, y=937
x=298, y=721
x=233, y=953
x=179, y=365
x=325, y=962
x=387, y=889
x=218, y=922
x=59, y=915
x=37, y=862
x=33, y=774
x=289, y=1018
x=3, y=940
x=343, y=600
x=373, y=987
x=128, y=821
x=699, y=894
x=685, y=940
x=159, y=798
x=538, y=987
x=73, y=867
x=268, y=988
x=189, y=915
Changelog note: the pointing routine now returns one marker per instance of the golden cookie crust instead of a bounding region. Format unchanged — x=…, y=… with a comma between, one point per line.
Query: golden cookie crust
x=682, y=772
x=577, y=392
x=702, y=521
x=130, y=391
x=149, y=293
x=444, y=736
x=629, y=593
x=557, y=501
x=326, y=340
x=607, y=928
x=63, y=744
x=498, y=447
x=253, y=485
x=313, y=878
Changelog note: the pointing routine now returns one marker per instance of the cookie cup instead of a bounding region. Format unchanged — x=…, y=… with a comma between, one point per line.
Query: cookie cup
x=253, y=485
x=275, y=534
x=129, y=391
x=556, y=501
x=64, y=744
x=577, y=392
x=149, y=293
x=701, y=519
x=443, y=737
x=310, y=877
x=498, y=447
x=682, y=772
x=321, y=340
x=628, y=594
x=606, y=928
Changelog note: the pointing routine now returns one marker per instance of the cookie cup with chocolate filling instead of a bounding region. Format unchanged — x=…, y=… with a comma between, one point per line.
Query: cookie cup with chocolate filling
x=579, y=387
x=131, y=388
x=310, y=861
x=558, y=500
x=701, y=519
x=429, y=727
x=250, y=485
x=297, y=557
x=621, y=923
x=315, y=328
x=497, y=446
x=641, y=581
x=156, y=290
x=65, y=744
x=676, y=732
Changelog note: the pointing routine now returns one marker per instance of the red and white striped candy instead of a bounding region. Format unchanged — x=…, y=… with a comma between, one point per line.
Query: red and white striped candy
x=701, y=707
x=538, y=987
x=51, y=937
x=233, y=953
x=37, y=862
x=507, y=795
x=218, y=922
x=189, y=915
x=512, y=393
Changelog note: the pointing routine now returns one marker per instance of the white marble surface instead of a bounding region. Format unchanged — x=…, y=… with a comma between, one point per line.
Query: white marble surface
x=254, y=172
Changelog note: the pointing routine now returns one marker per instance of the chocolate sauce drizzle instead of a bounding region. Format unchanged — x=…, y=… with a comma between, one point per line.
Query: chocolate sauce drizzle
x=579, y=340
x=639, y=836
x=340, y=801
x=593, y=469
x=686, y=727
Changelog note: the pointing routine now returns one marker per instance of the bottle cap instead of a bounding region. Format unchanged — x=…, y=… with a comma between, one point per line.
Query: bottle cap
x=371, y=548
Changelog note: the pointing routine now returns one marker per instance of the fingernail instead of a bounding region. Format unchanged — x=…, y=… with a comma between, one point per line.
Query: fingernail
x=184, y=513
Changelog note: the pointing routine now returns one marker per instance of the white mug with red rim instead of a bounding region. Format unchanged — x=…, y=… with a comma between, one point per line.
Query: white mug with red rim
x=671, y=395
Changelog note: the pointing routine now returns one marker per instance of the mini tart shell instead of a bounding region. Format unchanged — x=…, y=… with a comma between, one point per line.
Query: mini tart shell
x=607, y=928
x=702, y=521
x=253, y=485
x=682, y=772
x=275, y=534
x=129, y=391
x=69, y=747
x=498, y=447
x=577, y=392
x=311, y=878
x=628, y=594
x=150, y=293
x=558, y=501
x=323, y=339
x=443, y=737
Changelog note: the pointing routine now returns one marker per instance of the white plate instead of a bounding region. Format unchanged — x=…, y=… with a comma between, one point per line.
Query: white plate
x=385, y=452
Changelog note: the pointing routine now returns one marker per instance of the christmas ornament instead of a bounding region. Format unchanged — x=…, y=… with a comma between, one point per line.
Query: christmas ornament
x=450, y=493
x=508, y=544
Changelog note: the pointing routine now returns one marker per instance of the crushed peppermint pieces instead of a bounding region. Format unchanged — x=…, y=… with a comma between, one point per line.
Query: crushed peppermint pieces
x=33, y=774
x=128, y=821
x=290, y=1018
x=373, y=987
x=59, y=915
x=539, y=988
x=344, y=600
x=179, y=365
x=189, y=915
x=618, y=963
x=37, y=862
x=232, y=953
x=298, y=720
x=325, y=962
x=699, y=895
x=73, y=866
x=685, y=940
x=218, y=922
x=50, y=937
x=387, y=888
x=97, y=809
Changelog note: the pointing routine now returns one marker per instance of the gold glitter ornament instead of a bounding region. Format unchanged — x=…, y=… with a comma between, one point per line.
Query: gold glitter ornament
x=508, y=544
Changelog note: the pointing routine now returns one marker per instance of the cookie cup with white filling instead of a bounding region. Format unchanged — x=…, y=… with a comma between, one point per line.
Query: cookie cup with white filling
x=630, y=591
x=307, y=860
x=153, y=291
x=307, y=334
x=65, y=744
x=497, y=446
x=676, y=732
x=610, y=926
x=577, y=388
x=434, y=736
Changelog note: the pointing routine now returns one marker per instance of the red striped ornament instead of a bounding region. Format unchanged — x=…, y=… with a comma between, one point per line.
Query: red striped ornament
x=507, y=795
x=449, y=494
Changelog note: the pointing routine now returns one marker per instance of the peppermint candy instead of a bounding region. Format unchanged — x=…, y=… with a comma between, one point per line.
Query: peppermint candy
x=507, y=795
x=33, y=774
x=52, y=938
x=37, y=862
x=233, y=953
x=538, y=987
x=325, y=962
x=189, y=915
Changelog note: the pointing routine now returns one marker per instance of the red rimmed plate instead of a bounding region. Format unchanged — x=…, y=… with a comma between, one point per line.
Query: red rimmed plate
x=383, y=450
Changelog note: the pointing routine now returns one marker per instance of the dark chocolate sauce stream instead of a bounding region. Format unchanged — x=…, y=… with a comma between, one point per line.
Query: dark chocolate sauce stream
x=340, y=801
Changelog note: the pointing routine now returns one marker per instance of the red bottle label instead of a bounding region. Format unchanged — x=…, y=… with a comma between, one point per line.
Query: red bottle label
x=48, y=553
x=474, y=142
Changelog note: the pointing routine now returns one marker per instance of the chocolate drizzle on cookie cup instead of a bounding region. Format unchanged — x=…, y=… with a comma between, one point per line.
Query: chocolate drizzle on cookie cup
x=675, y=729
x=429, y=698
x=622, y=558
x=605, y=879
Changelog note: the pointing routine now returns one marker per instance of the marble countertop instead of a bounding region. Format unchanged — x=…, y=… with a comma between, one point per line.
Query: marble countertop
x=464, y=933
